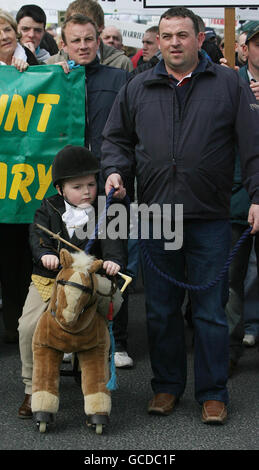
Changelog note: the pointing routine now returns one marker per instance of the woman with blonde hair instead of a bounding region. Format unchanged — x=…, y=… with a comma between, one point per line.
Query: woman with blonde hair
x=11, y=51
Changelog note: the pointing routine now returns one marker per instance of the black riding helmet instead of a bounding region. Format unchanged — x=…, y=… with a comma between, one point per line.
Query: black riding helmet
x=72, y=162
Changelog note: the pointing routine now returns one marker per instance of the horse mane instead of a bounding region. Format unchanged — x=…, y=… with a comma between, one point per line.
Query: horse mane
x=82, y=261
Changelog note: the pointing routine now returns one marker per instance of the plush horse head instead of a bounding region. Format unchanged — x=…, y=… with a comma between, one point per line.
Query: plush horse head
x=73, y=301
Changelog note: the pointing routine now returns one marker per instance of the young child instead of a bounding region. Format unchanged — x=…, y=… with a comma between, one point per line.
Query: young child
x=74, y=173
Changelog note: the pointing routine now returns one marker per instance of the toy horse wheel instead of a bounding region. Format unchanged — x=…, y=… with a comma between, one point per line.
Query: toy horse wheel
x=42, y=426
x=43, y=418
x=99, y=428
x=98, y=422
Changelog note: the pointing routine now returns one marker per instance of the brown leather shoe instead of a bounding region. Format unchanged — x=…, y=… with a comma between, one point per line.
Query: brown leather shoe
x=162, y=404
x=214, y=411
x=25, y=409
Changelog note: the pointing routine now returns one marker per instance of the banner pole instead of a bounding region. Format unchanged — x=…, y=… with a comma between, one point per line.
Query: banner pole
x=229, y=36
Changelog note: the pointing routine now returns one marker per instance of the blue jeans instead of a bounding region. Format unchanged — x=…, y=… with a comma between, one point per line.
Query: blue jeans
x=243, y=291
x=206, y=245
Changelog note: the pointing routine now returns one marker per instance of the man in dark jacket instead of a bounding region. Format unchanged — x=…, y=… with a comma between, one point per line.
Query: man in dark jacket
x=81, y=43
x=176, y=124
x=240, y=203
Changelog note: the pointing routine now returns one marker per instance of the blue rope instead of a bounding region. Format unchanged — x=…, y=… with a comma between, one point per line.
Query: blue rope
x=182, y=284
x=112, y=384
x=198, y=287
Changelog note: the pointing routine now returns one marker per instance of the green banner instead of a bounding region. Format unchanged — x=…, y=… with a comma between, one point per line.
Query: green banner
x=41, y=111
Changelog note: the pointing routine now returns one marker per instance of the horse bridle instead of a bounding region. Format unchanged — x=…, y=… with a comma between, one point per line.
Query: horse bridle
x=86, y=289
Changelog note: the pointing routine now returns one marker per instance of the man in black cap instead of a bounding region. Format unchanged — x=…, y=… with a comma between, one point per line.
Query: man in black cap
x=210, y=45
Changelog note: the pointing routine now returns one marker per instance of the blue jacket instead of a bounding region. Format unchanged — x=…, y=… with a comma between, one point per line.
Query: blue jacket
x=185, y=154
x=102, y=85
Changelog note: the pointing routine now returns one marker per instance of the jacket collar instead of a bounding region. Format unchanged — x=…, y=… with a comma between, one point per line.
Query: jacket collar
x=57, y=203
x=201, y=67
x=93, y=67
x=161, y=75
x=243, y=72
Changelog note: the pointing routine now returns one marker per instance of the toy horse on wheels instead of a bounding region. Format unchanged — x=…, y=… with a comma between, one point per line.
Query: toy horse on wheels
x=72, y=323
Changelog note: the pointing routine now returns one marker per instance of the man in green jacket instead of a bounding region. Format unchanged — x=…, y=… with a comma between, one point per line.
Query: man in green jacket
x=240, y=204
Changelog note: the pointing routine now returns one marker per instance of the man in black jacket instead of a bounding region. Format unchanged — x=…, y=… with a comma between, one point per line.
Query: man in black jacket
x=103, y=82
x=81, y=42
x=176, y=126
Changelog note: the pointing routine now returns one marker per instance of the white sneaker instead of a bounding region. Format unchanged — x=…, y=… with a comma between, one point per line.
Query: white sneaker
x=122, y=359
x=249, y=340
x=67, y=357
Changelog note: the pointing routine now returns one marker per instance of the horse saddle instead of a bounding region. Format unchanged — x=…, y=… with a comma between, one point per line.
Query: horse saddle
x=44, y=285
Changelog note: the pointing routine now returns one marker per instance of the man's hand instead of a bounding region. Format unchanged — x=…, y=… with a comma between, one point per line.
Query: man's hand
x=253, y=218
x=114, y=181
x=64, y=66
x=224, y=62
x=30, y=46
x=50, y=261
x=255, y=89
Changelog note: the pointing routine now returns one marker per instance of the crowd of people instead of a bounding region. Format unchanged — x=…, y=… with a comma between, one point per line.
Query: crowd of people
x=170, y=124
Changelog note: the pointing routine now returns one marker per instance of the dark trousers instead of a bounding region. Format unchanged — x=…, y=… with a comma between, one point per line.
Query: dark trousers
x=15, y=271
x=205, y=250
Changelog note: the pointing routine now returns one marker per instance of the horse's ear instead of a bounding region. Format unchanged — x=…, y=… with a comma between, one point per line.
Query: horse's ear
x=97, y=264
x=66, y=258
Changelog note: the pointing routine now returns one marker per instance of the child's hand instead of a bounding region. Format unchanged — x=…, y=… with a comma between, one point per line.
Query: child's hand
x=111, y=268
x=50, y=261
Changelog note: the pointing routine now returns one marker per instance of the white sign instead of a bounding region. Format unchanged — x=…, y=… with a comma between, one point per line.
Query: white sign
x=132, y=33
x=197, y=3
